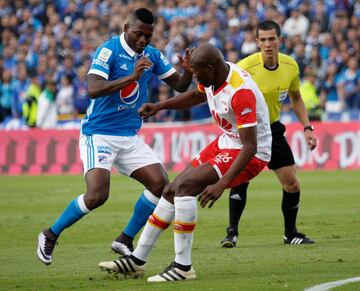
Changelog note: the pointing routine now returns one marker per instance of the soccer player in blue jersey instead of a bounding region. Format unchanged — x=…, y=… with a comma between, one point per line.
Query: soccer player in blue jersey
x=117, y=85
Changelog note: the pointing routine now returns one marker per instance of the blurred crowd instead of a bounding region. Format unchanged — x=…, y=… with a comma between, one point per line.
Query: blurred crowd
x=46, y=49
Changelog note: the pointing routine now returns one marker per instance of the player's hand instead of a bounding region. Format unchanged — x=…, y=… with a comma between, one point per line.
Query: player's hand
x=185, y=61
x=211, y=194
x=148, y=109
x=310, y=139
x=141, y=65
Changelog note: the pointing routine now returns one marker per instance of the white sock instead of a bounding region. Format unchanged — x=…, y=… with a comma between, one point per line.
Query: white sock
x=184, y=225
x=161, y=218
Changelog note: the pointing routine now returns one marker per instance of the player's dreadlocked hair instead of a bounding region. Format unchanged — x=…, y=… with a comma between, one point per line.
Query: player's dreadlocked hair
x=144, y=15
x=268, y=25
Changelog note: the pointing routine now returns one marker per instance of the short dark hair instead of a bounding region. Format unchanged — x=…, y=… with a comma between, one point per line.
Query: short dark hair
x=268, y=25
x=144, y=15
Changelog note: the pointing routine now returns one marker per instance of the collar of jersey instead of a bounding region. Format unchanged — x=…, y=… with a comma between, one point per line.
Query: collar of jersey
x=126, y=47
x=226, y=81
x=265, y=67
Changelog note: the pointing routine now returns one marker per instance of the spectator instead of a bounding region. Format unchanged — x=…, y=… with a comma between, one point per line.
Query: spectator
x=319, y=15
x=47, y=112
x=328, y=94
x=29, y=107
x=81, y=98
x=348, y=85
x=300, y=58
x=315, y=62
x=67, y=68
x=297, y=24
x=235, y=36
x=309, y=95
x=21, y=85
x=64, y=98
x=7, y=92
x=232, y=56
x=249, y=45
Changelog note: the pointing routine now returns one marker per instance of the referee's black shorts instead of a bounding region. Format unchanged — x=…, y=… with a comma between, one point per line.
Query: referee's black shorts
x=281, y=154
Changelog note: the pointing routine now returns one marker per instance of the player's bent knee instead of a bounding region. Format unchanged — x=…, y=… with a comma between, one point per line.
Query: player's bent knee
x=169, y=196
x=292, y=187
x=185, y=187
x=157, y=189
x=94, y=200
x=158, y=186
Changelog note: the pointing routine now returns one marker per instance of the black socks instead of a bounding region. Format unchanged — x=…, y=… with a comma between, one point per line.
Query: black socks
x=290, y=206
x=237, y=202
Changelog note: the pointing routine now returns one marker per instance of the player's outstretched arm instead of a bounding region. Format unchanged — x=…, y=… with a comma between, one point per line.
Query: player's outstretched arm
x=179, y=82
x=148, y=109
x=181, y=101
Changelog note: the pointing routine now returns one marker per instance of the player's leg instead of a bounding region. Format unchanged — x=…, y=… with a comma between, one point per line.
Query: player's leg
x=290, y=205
x=158, y=221
x=154, y=178
x=141, y=164
x=283, y=164
x=161, y=218
x=237, y=202
x=97, y=177
x=186, y=186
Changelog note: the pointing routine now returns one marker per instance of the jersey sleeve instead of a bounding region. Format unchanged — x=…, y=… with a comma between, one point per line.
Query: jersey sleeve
x=163, y=68
x=103, y=58
x=244, y=106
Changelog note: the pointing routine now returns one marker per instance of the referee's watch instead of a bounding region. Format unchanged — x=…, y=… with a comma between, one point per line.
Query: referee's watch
x=308, y=127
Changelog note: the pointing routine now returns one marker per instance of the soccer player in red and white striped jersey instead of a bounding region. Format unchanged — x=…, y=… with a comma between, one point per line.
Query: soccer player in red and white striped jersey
x=238, y=155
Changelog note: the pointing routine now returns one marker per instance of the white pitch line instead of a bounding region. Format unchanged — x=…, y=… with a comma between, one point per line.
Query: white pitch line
x=330, y=285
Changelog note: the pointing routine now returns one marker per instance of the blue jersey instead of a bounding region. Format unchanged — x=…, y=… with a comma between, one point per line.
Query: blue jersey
x=116, y=113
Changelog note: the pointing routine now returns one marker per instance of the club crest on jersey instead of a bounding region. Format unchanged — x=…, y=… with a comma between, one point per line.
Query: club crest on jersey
x=130, y=93
x=102, y=159
x=222, y=122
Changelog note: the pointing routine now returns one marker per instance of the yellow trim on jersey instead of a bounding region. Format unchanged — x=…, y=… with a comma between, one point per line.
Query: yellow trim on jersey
x=199, y=88
x=274, y=84
x=235, y=80
x=247, y=125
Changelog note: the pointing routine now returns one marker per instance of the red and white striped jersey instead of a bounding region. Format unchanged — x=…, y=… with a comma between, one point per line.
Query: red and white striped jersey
x=238, y=103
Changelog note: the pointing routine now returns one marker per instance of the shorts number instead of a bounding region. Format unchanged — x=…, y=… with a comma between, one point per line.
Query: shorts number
x=224, y=157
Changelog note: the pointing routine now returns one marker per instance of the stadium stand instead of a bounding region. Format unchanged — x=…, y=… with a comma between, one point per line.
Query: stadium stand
x=43, y=39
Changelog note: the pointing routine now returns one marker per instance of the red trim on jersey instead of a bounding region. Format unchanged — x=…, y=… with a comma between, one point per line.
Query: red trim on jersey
x=157, y=222
x=183, y=227
x=244, y=106
x=221, y=87
x=201, y=88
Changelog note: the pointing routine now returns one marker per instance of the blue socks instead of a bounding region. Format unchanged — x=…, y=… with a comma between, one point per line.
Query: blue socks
x=77, y=209
x=142, y=210
x=72, y=213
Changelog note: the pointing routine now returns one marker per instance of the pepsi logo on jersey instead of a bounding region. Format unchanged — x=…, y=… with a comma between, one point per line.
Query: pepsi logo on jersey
x=130, y=93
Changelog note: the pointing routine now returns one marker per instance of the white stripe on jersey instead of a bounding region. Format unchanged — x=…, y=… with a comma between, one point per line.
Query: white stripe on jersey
x=99, y=73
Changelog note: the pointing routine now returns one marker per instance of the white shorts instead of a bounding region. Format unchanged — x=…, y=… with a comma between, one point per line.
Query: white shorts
x=125, y=153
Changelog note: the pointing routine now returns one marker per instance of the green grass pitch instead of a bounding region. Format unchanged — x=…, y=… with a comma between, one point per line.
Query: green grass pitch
x=329, y=213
